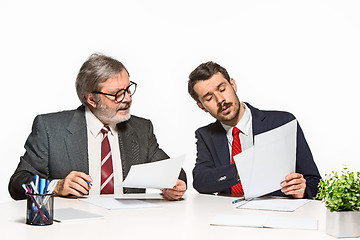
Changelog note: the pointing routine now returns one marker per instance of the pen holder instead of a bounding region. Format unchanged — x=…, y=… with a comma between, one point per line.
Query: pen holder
x=40, y=209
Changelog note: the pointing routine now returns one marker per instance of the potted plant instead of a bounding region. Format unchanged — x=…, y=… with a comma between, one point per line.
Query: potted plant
x=341, y=195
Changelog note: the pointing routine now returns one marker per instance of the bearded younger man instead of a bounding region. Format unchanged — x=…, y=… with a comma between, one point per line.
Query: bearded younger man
x=215, y=92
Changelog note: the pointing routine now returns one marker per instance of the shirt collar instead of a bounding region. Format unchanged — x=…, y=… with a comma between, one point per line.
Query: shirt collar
x=95, y=125
x=244, y=125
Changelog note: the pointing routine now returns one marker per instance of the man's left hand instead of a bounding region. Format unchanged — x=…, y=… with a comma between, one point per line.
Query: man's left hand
x=176, y=192
x=294, y=185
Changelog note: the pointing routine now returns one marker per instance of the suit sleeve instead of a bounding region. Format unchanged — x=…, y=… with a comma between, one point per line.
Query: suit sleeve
x=209, y=174
x=306, y=166
x=33, y=162
x=156, y=153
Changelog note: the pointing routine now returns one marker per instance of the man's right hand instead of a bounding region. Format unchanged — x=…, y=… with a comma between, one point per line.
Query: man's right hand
x=74, y=184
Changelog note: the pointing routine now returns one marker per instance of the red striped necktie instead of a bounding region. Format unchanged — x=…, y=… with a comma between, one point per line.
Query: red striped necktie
x=107, y=174
x=236, y=149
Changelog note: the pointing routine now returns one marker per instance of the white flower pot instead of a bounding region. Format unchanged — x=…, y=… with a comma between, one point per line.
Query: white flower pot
x=343, y=224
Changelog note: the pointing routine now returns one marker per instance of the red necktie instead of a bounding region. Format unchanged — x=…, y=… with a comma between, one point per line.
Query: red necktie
x=107, y=175
x=236, y=149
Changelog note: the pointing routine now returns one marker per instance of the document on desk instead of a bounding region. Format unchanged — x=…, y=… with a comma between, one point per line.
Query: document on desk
x=140, y=196
x=262, y=221
x=159, y=174
x=264, y=166
x=74, y=215
x=109, y=202
x=273, y=204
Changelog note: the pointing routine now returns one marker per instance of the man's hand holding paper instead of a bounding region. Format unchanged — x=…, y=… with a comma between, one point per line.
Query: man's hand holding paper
x=294, y=184
x=159, y=175
x=176, y=192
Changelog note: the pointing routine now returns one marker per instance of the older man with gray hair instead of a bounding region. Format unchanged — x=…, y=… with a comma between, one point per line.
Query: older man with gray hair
x=97, y=143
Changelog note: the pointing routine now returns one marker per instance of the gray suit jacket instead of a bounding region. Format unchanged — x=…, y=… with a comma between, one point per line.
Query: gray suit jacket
x=57, y=145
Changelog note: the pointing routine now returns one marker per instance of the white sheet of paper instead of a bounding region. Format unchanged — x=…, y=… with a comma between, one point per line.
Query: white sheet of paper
x=273, y=204
x=264, y=166
x=264, y=221
x=109, y=202
x=141, y=196
x=239, y=220
x=73, y=214
x=292, y=223
x=160, y=174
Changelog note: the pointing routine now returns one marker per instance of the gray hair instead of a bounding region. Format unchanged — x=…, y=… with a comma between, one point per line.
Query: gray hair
x=95, y=70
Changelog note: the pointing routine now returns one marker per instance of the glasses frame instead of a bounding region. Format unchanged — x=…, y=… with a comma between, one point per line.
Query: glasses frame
x=126, y=90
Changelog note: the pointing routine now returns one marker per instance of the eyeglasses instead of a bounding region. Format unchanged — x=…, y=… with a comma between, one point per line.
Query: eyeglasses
x=120, y=95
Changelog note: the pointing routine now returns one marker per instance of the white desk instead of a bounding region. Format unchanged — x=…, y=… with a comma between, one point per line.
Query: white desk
x=186, y=219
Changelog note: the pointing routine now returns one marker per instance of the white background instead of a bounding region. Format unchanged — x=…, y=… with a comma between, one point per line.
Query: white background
x=298, y=56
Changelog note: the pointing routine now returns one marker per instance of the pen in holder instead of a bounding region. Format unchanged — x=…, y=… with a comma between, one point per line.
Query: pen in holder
x=40, y=209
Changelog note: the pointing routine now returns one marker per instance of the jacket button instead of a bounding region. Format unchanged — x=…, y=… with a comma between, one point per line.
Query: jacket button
x=222, y=178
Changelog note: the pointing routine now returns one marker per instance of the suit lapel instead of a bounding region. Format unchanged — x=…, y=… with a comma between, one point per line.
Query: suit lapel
x=221, y=144
x=76, y=142
x=129, y=146
x=258, y=123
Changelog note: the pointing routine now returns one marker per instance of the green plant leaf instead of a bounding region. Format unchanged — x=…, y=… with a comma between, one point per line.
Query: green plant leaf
x=340, y=191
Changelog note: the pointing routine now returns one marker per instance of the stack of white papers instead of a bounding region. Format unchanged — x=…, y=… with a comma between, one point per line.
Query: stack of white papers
x=264, y=221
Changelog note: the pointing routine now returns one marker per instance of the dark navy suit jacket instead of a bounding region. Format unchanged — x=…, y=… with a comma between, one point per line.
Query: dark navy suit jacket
x=214, y=173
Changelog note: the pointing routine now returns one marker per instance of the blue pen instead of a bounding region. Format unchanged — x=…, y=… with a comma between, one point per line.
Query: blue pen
x=89, y=183
x=42, y=185
x=238, y=200
x=46, y=185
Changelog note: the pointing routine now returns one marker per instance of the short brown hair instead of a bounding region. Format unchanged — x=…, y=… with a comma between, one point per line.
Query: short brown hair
x=204, y=72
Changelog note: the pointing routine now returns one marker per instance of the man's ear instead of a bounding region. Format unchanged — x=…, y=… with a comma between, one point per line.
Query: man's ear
x=233, y=84
x=201, y=106
x=91, y=100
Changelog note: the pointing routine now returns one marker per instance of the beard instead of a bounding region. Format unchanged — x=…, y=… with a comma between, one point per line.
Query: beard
x=231, y=116
x=108, y=115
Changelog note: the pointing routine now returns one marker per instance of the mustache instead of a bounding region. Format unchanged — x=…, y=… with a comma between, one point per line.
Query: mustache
x=224, y=105
x=124, y=106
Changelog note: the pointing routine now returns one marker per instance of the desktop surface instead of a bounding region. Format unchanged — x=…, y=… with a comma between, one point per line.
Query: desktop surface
x=185, y=219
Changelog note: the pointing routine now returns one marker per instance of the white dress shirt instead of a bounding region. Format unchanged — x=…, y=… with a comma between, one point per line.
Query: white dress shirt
x=94, y=126
x=245, y=127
